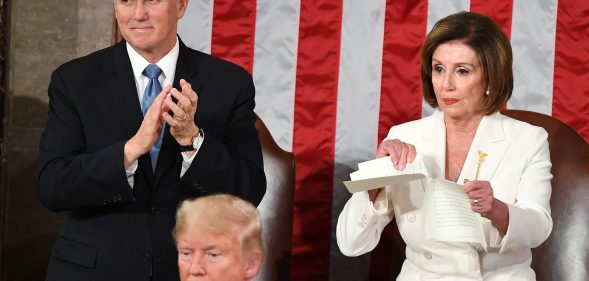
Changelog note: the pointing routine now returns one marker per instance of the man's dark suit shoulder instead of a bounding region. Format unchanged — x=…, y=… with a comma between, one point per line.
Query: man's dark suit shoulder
x=98, y=60
x=106, y=58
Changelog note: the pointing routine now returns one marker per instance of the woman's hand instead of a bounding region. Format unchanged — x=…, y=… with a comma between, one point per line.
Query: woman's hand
x=483, y=202
x=480, y=194
x=401, y=153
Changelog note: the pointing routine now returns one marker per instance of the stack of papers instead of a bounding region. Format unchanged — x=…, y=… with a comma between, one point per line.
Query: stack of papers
x=446, y=210
x=380, y=172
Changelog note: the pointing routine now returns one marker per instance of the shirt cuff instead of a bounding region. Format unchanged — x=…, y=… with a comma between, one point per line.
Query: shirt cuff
x=130, y=171
x=495, y=238
x=187, y=161
x=380, y=205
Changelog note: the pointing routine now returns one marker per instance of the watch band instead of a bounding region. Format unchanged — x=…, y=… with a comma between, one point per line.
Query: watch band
x=195, y=142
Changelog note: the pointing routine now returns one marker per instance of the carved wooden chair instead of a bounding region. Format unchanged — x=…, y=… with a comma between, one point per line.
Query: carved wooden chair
x=276, y=208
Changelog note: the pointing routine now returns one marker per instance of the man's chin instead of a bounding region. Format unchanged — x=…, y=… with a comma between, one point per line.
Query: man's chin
x=141, y=46
x=138, y=38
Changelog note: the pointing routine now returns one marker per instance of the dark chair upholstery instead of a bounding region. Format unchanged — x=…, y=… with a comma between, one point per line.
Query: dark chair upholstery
x=276, y=208
x=565, y=254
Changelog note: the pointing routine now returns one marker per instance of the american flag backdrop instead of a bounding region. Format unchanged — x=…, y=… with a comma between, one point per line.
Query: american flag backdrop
x=332, y=76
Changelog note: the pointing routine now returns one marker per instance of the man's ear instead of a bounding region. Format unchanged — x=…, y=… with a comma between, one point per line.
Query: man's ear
x=252, y=265
x=182, y=5
x=114, y=3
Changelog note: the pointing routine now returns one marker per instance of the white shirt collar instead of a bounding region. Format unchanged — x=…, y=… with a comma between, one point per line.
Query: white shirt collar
x=166, y=63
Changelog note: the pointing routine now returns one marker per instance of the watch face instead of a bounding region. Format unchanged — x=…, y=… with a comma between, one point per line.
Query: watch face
x=196, y=140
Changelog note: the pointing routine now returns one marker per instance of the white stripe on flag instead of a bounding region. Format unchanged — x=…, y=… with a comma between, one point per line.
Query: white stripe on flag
x=358, y=103
x=275, y=64
x=533, y=34
x=436, y=10
x=195, y=28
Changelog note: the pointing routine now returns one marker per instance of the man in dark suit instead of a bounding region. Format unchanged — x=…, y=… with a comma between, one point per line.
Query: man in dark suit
x=122, y=147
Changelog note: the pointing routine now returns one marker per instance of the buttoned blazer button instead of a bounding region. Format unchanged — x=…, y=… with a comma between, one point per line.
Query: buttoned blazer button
x=427, y=255
x=473, y=253
x=411, y=218
x=146, y=256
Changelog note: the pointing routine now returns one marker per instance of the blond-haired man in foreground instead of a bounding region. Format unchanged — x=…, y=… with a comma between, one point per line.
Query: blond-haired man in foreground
x=218, y=237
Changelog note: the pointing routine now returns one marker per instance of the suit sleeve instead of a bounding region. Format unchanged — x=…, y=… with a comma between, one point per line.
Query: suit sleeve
x=69, y=176
x=232, y=163
x=361, y=223
x=530, y=222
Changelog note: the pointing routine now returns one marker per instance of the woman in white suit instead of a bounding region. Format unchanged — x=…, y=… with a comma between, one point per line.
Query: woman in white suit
x=467, y=75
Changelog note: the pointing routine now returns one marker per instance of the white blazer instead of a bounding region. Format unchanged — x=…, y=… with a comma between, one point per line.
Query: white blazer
x=518, y=168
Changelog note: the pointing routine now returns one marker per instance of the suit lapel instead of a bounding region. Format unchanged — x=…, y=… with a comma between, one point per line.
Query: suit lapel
x=435, y=140
x=123, y=93
x=490, y=139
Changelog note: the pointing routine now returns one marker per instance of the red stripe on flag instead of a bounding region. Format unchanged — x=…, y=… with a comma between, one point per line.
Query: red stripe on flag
x=314, y=136
x=499, y=10
x=233, y=34
x=404, y=33
x=401, y=95
x=570, y=101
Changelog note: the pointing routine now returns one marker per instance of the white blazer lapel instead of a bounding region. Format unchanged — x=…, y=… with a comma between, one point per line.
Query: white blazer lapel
x=434, y=146
x=490, y=139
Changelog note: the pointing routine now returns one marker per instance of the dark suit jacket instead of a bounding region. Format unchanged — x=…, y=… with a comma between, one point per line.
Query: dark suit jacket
x=112, y=232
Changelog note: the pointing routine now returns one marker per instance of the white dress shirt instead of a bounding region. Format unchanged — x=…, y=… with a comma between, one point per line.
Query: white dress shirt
x=168, y=66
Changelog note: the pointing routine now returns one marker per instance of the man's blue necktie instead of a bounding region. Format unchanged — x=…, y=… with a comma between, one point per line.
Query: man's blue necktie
x=154, y=87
